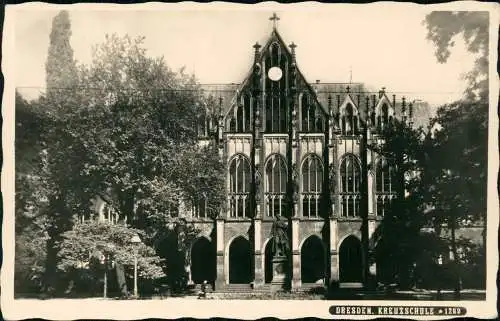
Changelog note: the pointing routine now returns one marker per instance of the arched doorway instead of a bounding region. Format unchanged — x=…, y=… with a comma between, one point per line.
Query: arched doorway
x=203, y=261
x=312, y=260
x=240, y=261
x=268, y=262
x=350, y=260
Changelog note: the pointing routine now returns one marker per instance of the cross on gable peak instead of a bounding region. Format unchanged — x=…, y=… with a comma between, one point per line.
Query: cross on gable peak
x=274, y=18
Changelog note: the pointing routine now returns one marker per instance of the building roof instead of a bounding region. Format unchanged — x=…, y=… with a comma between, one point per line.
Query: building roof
x=225, y=95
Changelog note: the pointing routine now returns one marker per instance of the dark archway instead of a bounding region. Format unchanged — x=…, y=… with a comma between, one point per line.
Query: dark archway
x=203, y=261
x=268, y=262
x=350, y=260
x=312, y=260
x=240, y=261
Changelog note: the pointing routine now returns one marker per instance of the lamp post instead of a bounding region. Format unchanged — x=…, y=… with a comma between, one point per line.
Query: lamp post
x=136, y=240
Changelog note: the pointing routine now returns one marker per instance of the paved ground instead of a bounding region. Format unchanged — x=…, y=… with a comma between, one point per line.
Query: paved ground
x=421, y=295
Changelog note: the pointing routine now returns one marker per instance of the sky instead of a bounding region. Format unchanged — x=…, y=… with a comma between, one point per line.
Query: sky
x=381, y=48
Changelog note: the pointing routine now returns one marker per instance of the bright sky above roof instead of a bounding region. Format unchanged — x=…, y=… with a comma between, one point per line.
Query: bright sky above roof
x=382, y=48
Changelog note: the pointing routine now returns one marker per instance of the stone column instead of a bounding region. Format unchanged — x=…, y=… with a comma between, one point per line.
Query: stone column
x=220, y=280
x=371, y=211
x=333, y=255
x=295, y=271
x=259, y=274
x=372, y=267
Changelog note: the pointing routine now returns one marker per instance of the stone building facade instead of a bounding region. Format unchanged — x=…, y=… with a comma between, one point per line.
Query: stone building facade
x=295, y=149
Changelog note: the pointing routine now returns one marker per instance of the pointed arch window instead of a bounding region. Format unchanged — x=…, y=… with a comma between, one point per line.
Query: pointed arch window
x=276, y=118
x=276, y=178
x=312, y=182
x=239, y=181
x=383, y=118
x=243, y=115
x=312, y=120
x=385, y=177
x=349, y=121
x=350, y=178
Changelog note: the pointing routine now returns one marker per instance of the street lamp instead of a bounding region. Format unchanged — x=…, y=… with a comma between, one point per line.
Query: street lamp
x=136, y=240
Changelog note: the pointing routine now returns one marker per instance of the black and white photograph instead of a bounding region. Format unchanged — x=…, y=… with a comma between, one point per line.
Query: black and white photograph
x=250, y=160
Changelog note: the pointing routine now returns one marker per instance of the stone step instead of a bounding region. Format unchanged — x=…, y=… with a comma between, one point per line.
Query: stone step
x=236, y=288
x=306, y=287
x=350, y=285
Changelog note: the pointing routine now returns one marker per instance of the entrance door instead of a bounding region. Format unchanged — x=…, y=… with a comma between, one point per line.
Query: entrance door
x=240, y=261
x=350, y=260
x=312, y=260
x=268, y=262
x=203, y=261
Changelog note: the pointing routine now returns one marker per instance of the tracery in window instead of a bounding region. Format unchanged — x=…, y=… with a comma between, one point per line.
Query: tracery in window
x=311, y=118
x=349, y=121
x=275, y=189
x=350, y=177
x=383, y=118
x=384, y=180
x=243, y=115
x=239, y=180
x=312, y=181
x=276, y=119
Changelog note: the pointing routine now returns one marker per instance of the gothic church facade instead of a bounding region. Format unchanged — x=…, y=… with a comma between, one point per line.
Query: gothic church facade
x=294, y=149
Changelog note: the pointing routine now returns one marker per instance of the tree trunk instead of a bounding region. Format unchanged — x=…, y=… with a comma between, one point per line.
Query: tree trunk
x=456, y=267
x=49, y=278
x=121, y=279
x=60, y=221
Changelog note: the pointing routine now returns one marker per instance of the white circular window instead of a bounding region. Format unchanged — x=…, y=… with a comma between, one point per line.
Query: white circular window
x=275, y=73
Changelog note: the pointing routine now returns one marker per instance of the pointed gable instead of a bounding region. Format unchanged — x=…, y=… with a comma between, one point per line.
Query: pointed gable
x=274, y=53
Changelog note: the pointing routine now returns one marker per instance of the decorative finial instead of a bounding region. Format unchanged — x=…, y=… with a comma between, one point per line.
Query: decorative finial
x=257, y=47
x=220, y=105
x=292, y=48
x=348, y=89
x=274, y=19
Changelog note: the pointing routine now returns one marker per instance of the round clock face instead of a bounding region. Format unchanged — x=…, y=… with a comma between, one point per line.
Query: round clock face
x=275, y=73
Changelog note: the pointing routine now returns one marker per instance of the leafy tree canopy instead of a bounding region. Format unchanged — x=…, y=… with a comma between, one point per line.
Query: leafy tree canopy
x=95, y=239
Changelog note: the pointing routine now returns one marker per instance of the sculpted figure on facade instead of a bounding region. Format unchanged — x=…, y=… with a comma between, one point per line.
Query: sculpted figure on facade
x=280, y=236
x=258, y=185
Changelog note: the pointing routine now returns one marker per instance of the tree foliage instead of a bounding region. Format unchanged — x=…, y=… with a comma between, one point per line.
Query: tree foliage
x=98, y=239
x=398, y=236
x=60, y=67
x=442, y=29
x=459, y=151
x=442, y=170
x=122, y=128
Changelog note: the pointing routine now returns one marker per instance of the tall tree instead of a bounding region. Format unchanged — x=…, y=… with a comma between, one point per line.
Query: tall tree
x=133, y=129
x=61, y=150
x=403, y=152
x=459, y=149
x=61, y=71
x=31, y=196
